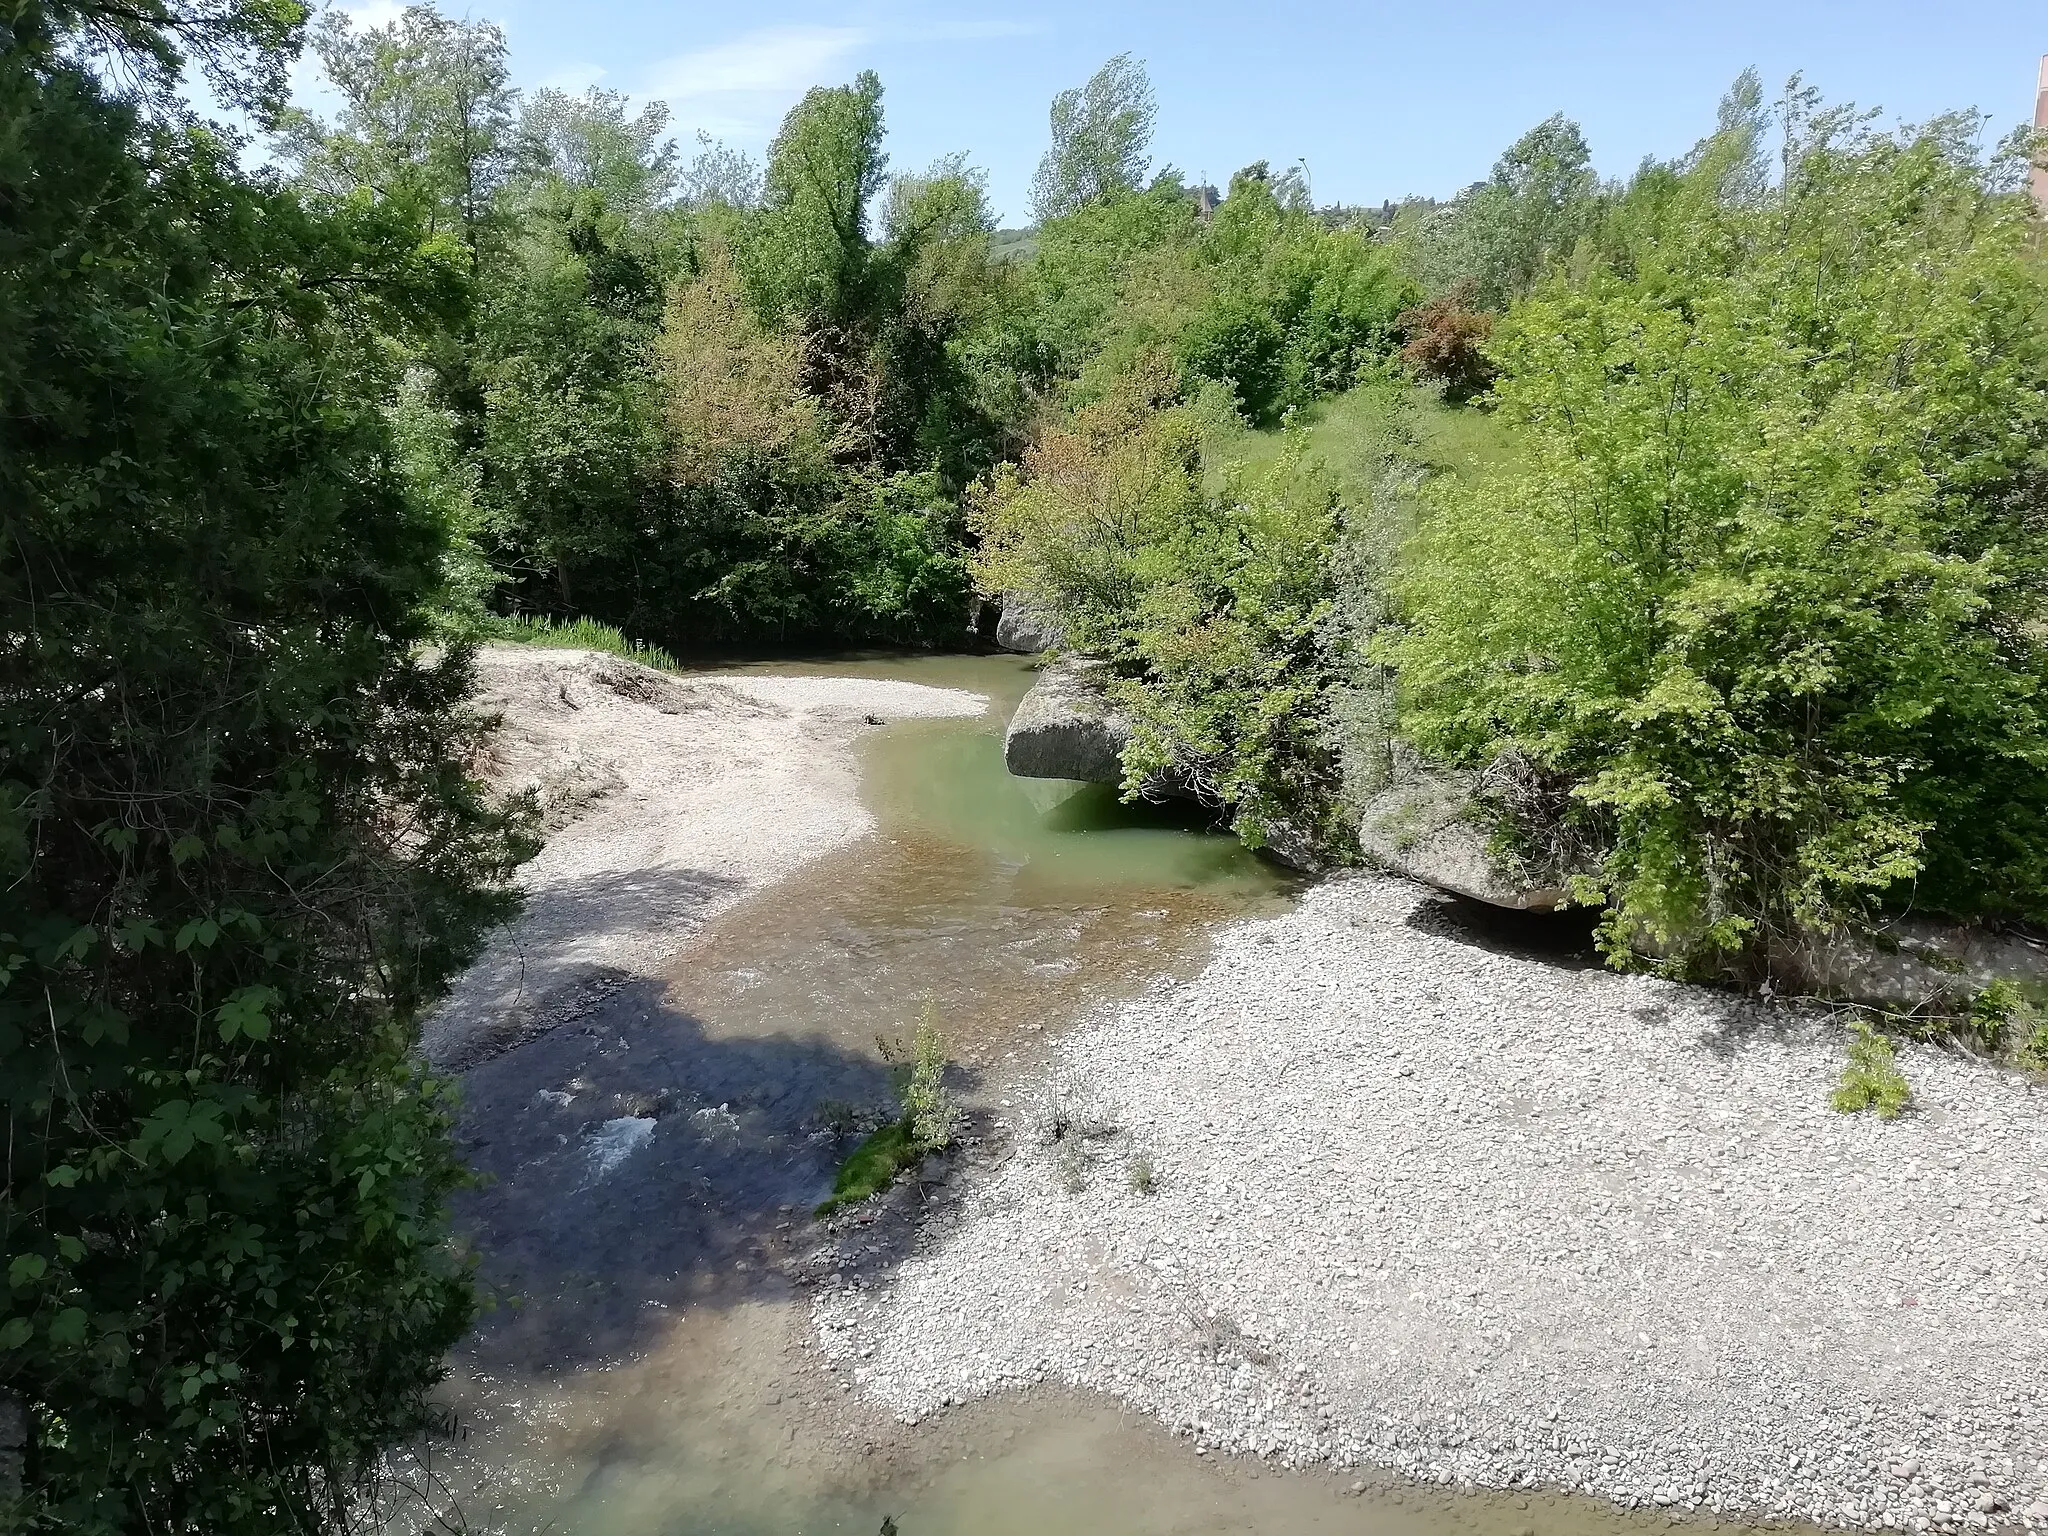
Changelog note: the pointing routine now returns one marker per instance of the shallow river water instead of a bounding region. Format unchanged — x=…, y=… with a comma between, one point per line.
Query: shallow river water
x=648, y=1368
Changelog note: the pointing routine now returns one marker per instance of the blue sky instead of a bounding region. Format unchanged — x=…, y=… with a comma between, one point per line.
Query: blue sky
x=1379, y=100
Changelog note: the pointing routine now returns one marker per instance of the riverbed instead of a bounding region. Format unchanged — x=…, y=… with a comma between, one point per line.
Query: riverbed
x=651, y=1159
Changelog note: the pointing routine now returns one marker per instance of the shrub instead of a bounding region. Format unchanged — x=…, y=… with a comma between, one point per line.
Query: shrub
x=1872, y=1079
x=1445, y=341
x=1205, y=605
x=1765, y=579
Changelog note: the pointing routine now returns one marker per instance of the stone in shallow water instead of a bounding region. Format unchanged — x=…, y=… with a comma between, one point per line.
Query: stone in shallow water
x=1066, y=729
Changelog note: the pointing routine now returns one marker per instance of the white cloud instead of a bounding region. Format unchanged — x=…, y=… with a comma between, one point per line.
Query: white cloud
x=372, y=13
x=574, y=78
x=774, y=62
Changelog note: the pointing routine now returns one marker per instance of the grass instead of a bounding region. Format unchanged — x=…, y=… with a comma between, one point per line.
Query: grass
x=873, y=1166
x=1353, y=433
x=579, y=635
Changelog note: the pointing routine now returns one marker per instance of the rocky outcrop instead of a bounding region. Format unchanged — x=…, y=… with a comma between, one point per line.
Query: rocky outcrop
x=1421, y=825
x=1022, y=628
x=1913, y=964
x=1066, y=729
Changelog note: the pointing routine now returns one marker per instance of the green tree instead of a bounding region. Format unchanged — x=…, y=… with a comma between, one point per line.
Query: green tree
x=1101, y=140
x=427, y=120
x=240, y=848
x=1765, y=582
x=1527, y=217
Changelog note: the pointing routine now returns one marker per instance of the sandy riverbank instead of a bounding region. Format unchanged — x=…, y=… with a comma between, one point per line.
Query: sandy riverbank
x=1494, y=1221
x=668, y=799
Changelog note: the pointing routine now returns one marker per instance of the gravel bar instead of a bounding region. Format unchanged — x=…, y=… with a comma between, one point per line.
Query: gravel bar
x=1492, y=1221
x=668, y=798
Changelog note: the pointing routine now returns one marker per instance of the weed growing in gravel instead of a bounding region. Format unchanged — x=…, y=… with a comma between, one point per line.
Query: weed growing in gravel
x=1872, y=1079
x=1144, y=1178
x=2002, y=1013
x=934, y=1117
x=927, y=1122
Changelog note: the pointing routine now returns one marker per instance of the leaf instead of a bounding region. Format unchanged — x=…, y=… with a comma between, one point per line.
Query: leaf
x=68, y=1326
x=200, y=930
x=63, y=1176
x=15, y=1332
x=26, y=1269
x=186, y=848
x=136, y=933
x=245, y=1014
x=176, y=1126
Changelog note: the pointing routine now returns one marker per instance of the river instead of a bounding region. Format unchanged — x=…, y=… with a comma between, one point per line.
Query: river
x=647, y=1366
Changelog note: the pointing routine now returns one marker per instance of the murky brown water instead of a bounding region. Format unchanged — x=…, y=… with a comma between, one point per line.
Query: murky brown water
x=650, y=1370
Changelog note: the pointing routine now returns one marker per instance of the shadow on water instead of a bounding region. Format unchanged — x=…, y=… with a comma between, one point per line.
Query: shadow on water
x=653, y=1162
x=635, y=1165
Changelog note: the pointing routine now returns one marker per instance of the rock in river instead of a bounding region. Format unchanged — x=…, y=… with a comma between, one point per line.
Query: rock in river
x=1066, y=729
x=1022, y=628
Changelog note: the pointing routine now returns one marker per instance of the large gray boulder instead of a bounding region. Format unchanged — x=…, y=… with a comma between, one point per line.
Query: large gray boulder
x=1913, y=964
x=1423, y=825
x=1022, y=628
x=1066, y=729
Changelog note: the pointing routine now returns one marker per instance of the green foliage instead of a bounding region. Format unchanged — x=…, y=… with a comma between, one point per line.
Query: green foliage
x=1101, y=140
x=239, y=844
x=1764, y=579
x=1501, y=235
x=2003, y=1015
x=426, y=120
x=1872, y=1079
x=580, y=635
x=1263, y=298
x=872, y=1167
x=928, y=1123
x=1206, y=606
x=928, y=1106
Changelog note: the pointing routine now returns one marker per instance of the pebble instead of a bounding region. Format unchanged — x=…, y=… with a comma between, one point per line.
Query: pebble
x=1488, y=1221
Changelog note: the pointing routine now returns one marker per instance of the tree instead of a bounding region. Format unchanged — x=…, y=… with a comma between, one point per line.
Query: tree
x=1101, y=140
x=807, y=256
x=426, y=120
x=1764, y=583
x=1507, y=231
x=240, y=847
x=592, y=141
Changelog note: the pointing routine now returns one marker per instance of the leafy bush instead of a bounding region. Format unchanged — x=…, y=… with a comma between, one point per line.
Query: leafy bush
x=1872, y=1079
x=929, y=1120
x=240, y=849
x=1765, y=578
x=1206, y=606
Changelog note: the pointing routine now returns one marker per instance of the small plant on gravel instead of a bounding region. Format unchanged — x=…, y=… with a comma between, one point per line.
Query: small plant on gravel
x=1070, y=1165
x=1144, y=1178
x=2002, y=1013
x=1872, y=1079
x=927, y=1104
x=927, y=1120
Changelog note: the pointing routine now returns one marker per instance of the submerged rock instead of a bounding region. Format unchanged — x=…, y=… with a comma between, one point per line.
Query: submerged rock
x=1066, y=729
